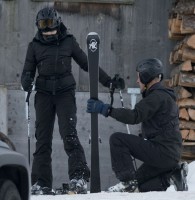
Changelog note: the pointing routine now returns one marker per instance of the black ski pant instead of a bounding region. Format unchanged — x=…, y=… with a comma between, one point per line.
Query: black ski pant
x=152, y=174
x=46, y=107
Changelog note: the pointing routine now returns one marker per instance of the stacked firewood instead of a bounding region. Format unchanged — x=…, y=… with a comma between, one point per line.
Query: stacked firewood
x=182, y=58
x=182, y=19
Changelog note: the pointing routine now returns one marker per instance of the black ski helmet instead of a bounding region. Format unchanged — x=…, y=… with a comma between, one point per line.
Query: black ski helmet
x=47, y=19
x=149, y=69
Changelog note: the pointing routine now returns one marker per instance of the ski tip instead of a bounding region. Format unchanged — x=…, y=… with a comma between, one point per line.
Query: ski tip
x=92, y=39
x=92, y=33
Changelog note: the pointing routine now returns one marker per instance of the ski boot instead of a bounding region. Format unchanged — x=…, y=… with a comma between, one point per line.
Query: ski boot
x=36, y=189
x=128, y=186
x=179, y=177
x=78, y=186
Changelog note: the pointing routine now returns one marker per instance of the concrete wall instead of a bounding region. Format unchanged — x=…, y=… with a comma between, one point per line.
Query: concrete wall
x=128, y=34
x=3, y=112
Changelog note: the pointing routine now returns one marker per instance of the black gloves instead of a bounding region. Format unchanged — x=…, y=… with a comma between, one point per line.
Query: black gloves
x=27, y=81
x=97, y=106
x=116, y=83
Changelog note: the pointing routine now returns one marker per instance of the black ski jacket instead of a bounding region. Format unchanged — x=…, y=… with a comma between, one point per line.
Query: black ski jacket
x=158, y=113
x=52, y=59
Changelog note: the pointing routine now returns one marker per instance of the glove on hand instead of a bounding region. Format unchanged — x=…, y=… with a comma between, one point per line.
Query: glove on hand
x=27, y=82
x=117, y=83
x=97, y=106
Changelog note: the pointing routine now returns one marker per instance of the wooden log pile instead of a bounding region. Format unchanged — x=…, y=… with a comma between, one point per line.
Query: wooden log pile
x=181, y=27
x=181, y=19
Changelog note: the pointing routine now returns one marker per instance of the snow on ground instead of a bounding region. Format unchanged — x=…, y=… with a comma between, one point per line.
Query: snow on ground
x=170, y=194
x=124, y=196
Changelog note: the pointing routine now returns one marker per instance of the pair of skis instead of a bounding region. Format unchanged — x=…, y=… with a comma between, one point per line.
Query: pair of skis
x=93, y=42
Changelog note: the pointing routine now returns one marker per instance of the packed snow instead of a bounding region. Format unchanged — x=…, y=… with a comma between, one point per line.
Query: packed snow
x=170, y=194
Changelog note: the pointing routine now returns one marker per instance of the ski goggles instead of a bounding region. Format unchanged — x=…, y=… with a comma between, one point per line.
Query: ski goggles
x=47, y=23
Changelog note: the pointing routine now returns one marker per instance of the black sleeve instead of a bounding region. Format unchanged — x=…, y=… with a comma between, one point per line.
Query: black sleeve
x=144, y=110
x=80, y=58
x=30, y=62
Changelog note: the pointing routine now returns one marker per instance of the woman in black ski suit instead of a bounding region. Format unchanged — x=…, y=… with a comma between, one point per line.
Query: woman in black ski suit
x=159, y=148
x=50, y=53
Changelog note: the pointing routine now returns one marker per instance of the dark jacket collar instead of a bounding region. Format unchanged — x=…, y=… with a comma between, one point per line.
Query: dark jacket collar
x=159, y=86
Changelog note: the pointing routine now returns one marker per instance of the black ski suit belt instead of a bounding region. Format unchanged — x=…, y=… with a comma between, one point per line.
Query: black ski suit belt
x=55, y=84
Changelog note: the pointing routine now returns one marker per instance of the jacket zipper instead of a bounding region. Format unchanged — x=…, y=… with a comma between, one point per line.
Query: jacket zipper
x=57, y=52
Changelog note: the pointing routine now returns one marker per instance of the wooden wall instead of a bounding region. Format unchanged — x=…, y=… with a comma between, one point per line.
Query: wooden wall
x=128, y=33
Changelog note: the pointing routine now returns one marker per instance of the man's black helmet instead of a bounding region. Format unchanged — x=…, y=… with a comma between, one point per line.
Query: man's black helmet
x=47, y=19
x=149, y=69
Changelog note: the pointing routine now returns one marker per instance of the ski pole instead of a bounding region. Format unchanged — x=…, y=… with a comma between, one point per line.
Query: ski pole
x=28, y=120
x=111, y=90
x=122, y=103
x=127, y=126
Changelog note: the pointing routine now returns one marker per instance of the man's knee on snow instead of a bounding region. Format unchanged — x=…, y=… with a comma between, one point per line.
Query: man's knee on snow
x=126, y=175
x=155, y=184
